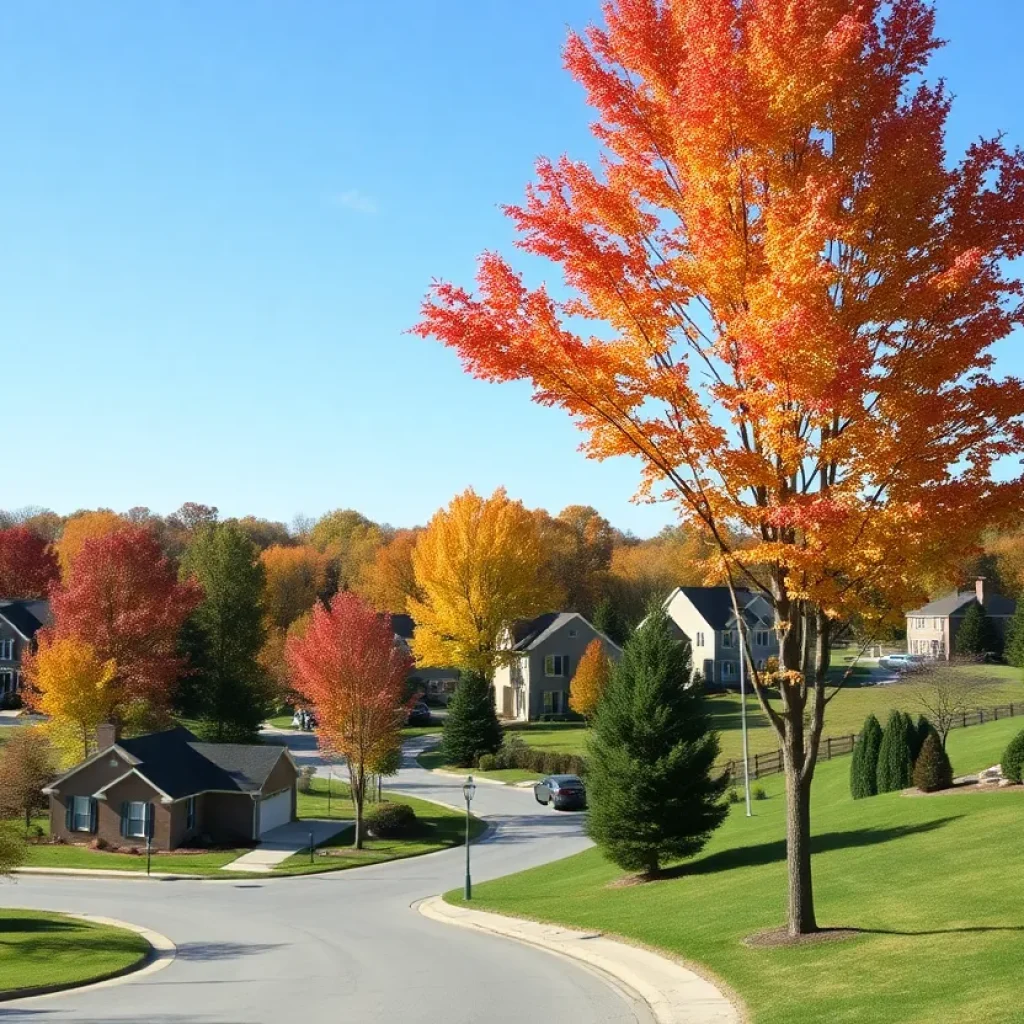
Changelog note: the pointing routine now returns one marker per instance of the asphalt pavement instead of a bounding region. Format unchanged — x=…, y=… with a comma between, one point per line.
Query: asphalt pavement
x=339, y=947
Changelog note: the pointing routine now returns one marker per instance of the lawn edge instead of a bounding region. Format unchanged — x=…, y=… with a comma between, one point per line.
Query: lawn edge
x=160, y=954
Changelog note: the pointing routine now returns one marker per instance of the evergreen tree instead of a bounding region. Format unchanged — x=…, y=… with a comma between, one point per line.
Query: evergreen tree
x=933, y=770
x=919, y=735
x=894, y=763
x=652, y=792
x=608, y=620
x=1014, y=647
x=228, y=691
x=472, y=727
x=976, y=634
x=911, y=731
x=1013, y=759
x=864, y=769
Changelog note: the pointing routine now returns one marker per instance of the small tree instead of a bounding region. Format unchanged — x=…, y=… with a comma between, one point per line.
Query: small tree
x=1013, y=759
x=26, y=765
x=1013, y=650
x=12, y=849
x=976, y=634
x=472, y=727
x=652, y=790
x=933, y=770
x=946, y=695
x=590, y=681
x=920, y=734
x=608, y=620
x=864, y=769
x=347, y=666
x=894, y=763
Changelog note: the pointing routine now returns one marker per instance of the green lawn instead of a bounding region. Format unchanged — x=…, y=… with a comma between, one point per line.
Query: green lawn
x=442, y=827
x=934, y=883
x=58, y=856
x=39, y=949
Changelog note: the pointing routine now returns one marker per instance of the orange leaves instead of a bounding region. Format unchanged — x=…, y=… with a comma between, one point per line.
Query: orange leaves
x=590, y=681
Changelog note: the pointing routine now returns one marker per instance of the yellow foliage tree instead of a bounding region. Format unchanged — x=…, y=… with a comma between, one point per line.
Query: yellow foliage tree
x=588, y=684
x=479, y=567
x=389, y=580
x=74, y=688
x=81, y=528
x=295, y=576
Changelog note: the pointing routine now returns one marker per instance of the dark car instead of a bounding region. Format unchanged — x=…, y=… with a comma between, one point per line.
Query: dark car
x=565, y=792
x=419, y=715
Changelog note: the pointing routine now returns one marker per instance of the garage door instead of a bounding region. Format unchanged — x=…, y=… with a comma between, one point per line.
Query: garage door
x=275, y=810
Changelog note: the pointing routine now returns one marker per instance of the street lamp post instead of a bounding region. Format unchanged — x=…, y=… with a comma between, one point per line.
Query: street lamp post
x=468, y=789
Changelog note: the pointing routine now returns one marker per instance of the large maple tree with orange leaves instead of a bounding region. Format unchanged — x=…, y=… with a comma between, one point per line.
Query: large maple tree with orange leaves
x=794, y=296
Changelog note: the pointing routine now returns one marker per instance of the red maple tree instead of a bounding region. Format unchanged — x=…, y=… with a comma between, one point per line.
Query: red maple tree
x=348, y=667
x=28, y=564
x=126, y=601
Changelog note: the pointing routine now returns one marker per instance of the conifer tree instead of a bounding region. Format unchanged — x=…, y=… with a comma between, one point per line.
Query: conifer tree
x=1013, y=650
x=894, y=763
x=472, y=727
x=608, y=620
x=864, y=769
x=976, y=634
x=652, y=789
x=933, y=770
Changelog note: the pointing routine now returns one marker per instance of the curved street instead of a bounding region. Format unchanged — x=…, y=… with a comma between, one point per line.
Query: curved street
x=341, y=946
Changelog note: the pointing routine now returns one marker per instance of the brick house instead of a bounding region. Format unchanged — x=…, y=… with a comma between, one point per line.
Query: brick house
x=171, y=787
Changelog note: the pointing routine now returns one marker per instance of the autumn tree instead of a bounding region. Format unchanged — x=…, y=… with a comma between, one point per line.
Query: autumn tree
x=578, y=546
x=350, y=541
x=28, y=564
x=590, y=680
x=82, y=527
x=71, y=683
x=264, y=533
x=348, y=668
x=124, y=598
x=230, y=692
x=389, y=580
x=295, y=576
x=12, y=848
x=26, y=765
x=477, y=564
x=796, y=291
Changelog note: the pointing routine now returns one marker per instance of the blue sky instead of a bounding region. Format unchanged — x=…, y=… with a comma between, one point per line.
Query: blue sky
x=218, y=219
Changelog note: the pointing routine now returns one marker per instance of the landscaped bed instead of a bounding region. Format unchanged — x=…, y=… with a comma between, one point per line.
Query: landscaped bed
x=39, y=950
x=933, y=887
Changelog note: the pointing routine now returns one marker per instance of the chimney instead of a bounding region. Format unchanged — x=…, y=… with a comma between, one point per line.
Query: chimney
x=107, y=734
x=979, y=590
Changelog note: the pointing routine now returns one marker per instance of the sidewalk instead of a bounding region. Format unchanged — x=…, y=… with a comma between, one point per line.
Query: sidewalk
x=282, y=842
x=675, y=994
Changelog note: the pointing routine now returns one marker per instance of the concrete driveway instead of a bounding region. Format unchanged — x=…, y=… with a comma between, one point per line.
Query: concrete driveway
x=344, y=946
x=284, y=841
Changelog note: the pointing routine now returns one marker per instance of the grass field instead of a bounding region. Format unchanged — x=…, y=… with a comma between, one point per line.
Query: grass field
x=933, y=882
x=39, y=949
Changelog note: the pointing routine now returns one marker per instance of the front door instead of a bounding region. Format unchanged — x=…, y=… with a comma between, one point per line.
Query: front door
x=709, y=671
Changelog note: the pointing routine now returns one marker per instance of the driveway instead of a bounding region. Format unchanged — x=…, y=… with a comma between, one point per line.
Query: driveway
x=344, y=946
x=282, y=842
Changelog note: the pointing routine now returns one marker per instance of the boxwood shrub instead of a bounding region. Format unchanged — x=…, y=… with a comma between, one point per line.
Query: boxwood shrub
x=391, y=821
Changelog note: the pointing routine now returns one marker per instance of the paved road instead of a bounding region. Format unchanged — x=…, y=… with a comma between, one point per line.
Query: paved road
x=341, y=947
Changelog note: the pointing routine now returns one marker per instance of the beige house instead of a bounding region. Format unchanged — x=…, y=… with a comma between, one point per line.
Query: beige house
x=931, y=630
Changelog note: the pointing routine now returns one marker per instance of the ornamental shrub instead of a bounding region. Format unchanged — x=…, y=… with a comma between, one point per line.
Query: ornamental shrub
x=933, y=770
x=864, y=767
x=391, y=821
x=920, y=735
x=895, y=766
x=1013, y=759
x=487, y=762
x=512, y=752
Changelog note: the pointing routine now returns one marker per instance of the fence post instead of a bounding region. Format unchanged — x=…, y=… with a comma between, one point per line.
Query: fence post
x=756, y=761
x=964, y=723
x=995, y=711
x=828, y=749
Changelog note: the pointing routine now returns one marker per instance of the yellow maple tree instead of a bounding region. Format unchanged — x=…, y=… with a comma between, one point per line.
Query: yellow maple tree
x=389, y=580
x=82, y=528
x=590, y=680
x=479, y=565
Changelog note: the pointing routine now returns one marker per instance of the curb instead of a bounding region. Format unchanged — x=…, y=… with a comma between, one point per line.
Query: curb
x=457, y=775
x=161, y=953
x=674, y=994
x=155, y=876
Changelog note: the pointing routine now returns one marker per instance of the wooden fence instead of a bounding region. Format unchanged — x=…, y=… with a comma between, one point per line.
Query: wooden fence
x=770, y=762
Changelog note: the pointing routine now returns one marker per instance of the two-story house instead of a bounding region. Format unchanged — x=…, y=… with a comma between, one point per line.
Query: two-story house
x=932, y=630
x=19, y=623
x=439, y=683
x=542, y=655
x=705, y=616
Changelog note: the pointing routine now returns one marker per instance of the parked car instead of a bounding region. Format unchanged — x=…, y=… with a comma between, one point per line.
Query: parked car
x=565, y=792
x=419, y=715
x=902, y=662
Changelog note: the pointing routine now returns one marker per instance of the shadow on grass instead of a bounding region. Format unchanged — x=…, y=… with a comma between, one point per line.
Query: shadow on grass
x=775, y=852
x=37, y=924
x=944, y=931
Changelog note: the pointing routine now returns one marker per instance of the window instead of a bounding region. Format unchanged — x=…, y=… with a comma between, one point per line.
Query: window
x=936, y=623
x=554, y=702
x=7, y=682
x=190, y=813
x=728, y=669
x=556, y=665
x=918, y=623
x=700, y=640
x=138, y=817
x=81, y=814
x=572, y=632
x=7, y=650
x=761, y=637
x=727, y=638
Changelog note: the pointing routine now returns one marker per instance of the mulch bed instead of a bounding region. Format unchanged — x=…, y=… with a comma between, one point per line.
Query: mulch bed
x=775, y=937
x=965, y=788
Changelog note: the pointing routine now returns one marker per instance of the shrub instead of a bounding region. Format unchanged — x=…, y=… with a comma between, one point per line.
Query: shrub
x=1013, y=759
x=933, y=770
x=552, y=764
x=760, y=793
x=535, y=761
x=733, y=796
x=512, y=751
x=391, y=821
x=577, y=765
x=472, y=726
x=99, y=843
x=304, y=782
x=920, y=735
x=487, y=762
x=894, y=764
x=864, y=767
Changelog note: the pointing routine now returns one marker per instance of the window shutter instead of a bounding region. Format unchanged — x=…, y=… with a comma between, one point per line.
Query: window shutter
x=93, y=813
x=69, y=814
x=125, y=810
x=565, y=666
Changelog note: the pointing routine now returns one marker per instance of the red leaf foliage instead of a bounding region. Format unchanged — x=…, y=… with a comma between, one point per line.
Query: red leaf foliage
x=28, y=564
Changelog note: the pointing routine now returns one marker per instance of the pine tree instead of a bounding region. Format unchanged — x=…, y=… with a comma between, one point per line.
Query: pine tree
x=933, y=770
x=608, y=620
x=976, y=634
x=919, y=735
x=472, y=727
x=894, y=763
x=864, y=769
x=652, y=791
x=228, y=688
x=1014, y=647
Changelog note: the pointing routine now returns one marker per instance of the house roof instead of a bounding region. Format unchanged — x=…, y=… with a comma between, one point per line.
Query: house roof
x=958, y=601
x=25, y=616
x=526, y=632
x=714, y=604
x=403, y=626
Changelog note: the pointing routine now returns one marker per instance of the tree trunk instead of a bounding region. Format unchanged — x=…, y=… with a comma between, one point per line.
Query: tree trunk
x=800, y=911
x=358, y=780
